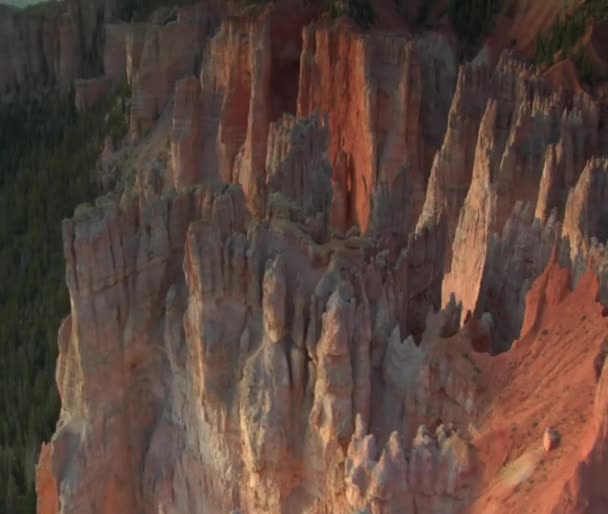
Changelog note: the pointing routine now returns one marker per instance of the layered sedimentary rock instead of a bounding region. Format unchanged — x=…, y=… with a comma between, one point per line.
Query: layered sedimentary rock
x=113, y=260
x=586, y=210
x=584, y=238
x=51, y=46
x=532, y=118
x=286, y=72
x=388, y=97
x=160, y=52
x=476, y=221
x=282, y=384
x=515, y=258
x=532, y=145
x=255, y=326
x=452, y=169
x=186, y=137
x=297, y=166
x=238, y=106
x=255, y=353
x=168, y=53
x=230, y=386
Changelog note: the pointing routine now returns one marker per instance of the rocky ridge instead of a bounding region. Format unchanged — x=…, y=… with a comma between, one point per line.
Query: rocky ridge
x=291, y=313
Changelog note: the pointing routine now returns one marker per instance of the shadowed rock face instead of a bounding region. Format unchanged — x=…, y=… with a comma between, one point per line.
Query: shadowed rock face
x=158, y=54
x=53, y=44
x=271, y=323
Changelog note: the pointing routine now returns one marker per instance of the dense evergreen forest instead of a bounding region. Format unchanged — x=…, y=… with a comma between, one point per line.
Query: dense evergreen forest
x=141, y=10
x=129, y=10
x=472, y=19
x=47, y=158
x=563, y=37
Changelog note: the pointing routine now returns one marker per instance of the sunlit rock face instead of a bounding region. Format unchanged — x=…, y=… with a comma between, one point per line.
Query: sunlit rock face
x=532, y=145
x=388, y=126
x=294, y=314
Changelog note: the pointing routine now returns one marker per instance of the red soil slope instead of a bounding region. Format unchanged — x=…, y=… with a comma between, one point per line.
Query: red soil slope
x=546, y=380
x=522, y=20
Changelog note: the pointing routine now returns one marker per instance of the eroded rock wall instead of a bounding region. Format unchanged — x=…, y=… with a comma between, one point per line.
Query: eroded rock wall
x=262, y=405
x=262, y=333
x=388, y=97
x=532, y=145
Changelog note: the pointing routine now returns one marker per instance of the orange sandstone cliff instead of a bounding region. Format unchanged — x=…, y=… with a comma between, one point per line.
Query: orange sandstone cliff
x=294, y=305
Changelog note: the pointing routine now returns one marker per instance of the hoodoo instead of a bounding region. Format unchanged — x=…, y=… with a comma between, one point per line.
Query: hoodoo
x=345, y=257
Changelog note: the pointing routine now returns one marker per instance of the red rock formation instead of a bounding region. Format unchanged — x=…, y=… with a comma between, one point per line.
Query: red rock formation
x=586, y=210
x=238, y=107
x=264, y=379
x=453, y=165
x=186, y=140
x=527, y=128
x=387, y=98
x=562, y=333
x=475, y=222
x=162, y=51
x=233, y=345
x=583, y=228
x=296, y=163
x=46, y=484
x=168, y=53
